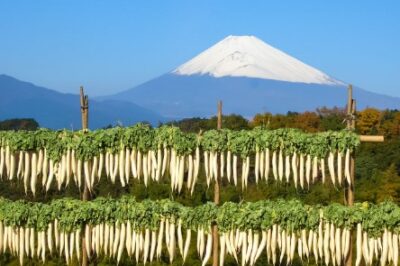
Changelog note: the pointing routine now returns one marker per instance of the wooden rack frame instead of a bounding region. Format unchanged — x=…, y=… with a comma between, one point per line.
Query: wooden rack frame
x=348, y=191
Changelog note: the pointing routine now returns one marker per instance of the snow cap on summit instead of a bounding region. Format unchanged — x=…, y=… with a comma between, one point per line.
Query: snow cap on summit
x=248, y=56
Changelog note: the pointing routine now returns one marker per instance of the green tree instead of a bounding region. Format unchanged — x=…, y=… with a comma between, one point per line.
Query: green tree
x=331, y=118
x=19, y=124
x=368, y=121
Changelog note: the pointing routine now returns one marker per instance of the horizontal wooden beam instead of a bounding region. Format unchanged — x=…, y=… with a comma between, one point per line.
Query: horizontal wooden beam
x=366, y=138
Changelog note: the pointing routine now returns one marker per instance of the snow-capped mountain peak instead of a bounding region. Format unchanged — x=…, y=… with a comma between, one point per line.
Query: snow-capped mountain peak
x=248, y=56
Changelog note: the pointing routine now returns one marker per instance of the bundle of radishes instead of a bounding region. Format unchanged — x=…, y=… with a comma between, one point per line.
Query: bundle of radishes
x=140, y=244
x=45, y=157
x=108, y=227
x=286, y=229
x=377, y=237
x=25, y=242
x=144, y=154
x=382, y=248
x=146, y=230
x=286, y=155
x=290, y=155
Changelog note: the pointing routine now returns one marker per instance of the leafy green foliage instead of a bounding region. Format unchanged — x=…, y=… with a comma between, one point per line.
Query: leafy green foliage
x=144, y=138
x=292, y=215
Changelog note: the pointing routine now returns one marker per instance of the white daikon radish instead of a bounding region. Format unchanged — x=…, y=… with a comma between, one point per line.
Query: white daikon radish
x=308, y=170
x=153, y=245
x=301, y=170
x=257, y=165
x=347, y=166
x=34, y=173
x=314, y=169
x=287, y=168
x=280, y=165
x=222, y=164
x=20, y=164
x=134, y=163
x=267, y=164
x=121, y=166
x=222, y=249
x=235, y=169
x=208, y=249
x=121, y=244
x=331, y=165
x=339, y=162
x=27, y=169
x=262, y=164
x=294, y=169
x=274, y=165
x=322, y=162
x=187, y=244
x=359, y=245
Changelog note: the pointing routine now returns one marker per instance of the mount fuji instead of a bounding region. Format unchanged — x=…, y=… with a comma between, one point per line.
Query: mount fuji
x=250, y=77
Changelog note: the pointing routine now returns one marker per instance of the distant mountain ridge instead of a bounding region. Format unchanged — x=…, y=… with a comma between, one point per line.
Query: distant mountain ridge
x=250, y=77
x=179, y=96
x=52, y=109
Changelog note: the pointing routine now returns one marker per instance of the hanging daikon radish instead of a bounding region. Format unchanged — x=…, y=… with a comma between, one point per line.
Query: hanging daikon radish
x=339, y=167
x=127, y=172
x=228, y=165
x=322, y=164
x=33, y=173
x=347, y=166
x=294, y=169
x=287, y=168
x=331, y=167
x=280, y=166
x=257, y=164
x=274, y=165
x=262, y=164
x=314, y=169
x=267, y=164
x=308, y=170
x=235, y=169
x=222, y=164
x=301, y=170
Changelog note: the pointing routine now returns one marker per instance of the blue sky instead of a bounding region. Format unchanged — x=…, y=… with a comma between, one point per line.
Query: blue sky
x=109, y=46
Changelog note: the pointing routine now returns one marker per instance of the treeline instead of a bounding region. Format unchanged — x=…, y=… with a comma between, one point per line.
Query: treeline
x=19, y=124
x=368, y=121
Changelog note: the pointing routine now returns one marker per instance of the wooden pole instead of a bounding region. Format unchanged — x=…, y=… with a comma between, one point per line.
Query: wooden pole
x=349, y=105
x=219, y=117
x=365, y=138
x=217, y=197
x=86, y=193
x=349, y=188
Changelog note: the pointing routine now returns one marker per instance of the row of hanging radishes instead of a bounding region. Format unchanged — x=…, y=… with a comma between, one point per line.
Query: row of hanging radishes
x=33, y=168
x=328, y=245
x=301, y=169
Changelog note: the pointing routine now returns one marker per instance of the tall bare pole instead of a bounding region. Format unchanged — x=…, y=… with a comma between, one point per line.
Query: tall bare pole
x=349, y=188
x=216, y=196
x=84, y=109
x=349, y=105
x=86, y=193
